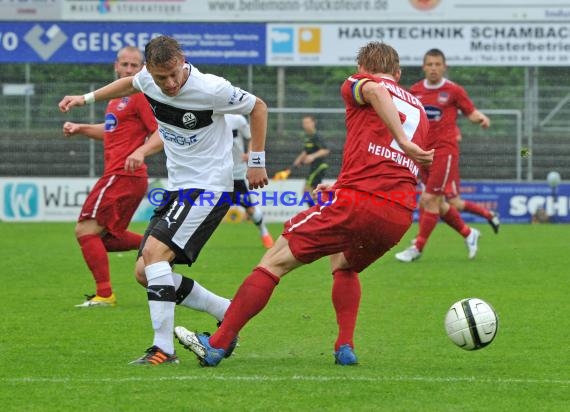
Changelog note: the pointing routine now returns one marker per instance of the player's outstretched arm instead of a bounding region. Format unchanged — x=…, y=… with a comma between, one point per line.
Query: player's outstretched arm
x=377, y=95
x=256, y=172
x=92, y=131
x=480, y=118
x=312, y=157
x=299, y=159
x=119, y=88
x=151, y=146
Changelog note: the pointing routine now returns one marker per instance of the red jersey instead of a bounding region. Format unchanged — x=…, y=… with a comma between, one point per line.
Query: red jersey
x=128, y=122
x=372, y=160
x=441, y=103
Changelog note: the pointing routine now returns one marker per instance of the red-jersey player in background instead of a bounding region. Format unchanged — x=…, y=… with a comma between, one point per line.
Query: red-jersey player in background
x=112, y=202
x=442, y=99
x=370, y=212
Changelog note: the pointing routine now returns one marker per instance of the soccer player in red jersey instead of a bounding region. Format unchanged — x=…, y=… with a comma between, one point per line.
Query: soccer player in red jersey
x=112, y=202
x=442, y=99
x=371, y=207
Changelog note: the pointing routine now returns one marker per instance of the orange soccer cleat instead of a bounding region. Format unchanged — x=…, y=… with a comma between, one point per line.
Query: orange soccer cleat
x=267, y=241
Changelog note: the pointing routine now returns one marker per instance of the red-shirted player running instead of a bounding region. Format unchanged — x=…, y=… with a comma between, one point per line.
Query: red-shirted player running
x=107, y=211
x=369, y=213
x=442, y=99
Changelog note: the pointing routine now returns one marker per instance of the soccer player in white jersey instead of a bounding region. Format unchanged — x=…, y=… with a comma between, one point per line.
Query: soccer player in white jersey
x=190, y=109
x=240, y=149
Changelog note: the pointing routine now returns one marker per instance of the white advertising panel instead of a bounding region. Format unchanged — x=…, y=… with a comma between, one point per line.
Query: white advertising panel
x=37, y=199
x=42, y=199
x=30, y=10
x=314, y=10
x=467, y=44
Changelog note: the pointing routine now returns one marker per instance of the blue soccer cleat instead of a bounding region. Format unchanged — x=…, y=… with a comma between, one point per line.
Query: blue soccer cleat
x=345, y=356
x=200, y=345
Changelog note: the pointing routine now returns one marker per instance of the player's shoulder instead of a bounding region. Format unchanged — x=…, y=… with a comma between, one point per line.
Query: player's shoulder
x=450, y=84
x=142, y=78
x=356, y=77
x=419, y=85
x=138, y=98
x=206, y=80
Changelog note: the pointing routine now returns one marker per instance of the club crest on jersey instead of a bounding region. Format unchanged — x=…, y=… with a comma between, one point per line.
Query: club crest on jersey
x=442, y=98
x=189, y=120
x=123, y=103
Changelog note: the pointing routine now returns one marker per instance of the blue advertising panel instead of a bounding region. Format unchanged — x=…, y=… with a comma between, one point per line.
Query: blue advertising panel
x=519, y=202
x=59, y=42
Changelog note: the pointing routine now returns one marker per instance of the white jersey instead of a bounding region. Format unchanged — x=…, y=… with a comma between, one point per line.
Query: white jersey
x=197, y=139
x=242, y=134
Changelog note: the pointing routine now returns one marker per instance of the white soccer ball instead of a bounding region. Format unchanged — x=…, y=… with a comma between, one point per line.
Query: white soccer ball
x=553, y=178
x=471, y=323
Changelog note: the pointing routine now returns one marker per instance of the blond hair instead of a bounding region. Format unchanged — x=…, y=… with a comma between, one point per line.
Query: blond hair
x=378, y=57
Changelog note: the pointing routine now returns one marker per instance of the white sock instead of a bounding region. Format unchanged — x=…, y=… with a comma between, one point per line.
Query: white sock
x=203, y=300
x=257, y=218
x=177, y=278
x=161, y=303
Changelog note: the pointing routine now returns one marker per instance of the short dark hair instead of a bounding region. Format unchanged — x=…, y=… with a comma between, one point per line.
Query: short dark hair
x=434, y=53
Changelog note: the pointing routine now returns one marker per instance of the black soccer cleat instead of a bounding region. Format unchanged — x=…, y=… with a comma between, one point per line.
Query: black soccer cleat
x=495, y=222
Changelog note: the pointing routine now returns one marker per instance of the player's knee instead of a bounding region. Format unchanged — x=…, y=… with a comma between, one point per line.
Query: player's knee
x=456, y=202
x=279, y=260
x=79, y=231
x=140, y=276
x=149, y=251
x=87, y=227
x=431, y=203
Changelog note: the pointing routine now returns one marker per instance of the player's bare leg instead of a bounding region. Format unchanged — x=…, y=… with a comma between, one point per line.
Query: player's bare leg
x=432, y=207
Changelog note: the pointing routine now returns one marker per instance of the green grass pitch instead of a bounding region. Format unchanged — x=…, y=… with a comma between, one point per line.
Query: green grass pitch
x=55, y=357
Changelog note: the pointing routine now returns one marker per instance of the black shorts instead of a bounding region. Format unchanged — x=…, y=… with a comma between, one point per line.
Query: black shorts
x=241, y=194
x=186, y=221
x=316, y=175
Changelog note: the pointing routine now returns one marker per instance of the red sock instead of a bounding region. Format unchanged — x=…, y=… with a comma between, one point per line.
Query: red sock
x=472, y=207
x=453, y=219
x=346, y=300
x=250, y=299
x=124, y=241
x=96, y=258
x=427, y=225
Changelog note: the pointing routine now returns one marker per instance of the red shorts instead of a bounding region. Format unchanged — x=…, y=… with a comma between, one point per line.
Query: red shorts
x=113, y=200
x=442, y=177
x=363, y=231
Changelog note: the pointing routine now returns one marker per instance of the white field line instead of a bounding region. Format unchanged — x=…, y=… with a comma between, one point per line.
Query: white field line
x=300, y=378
